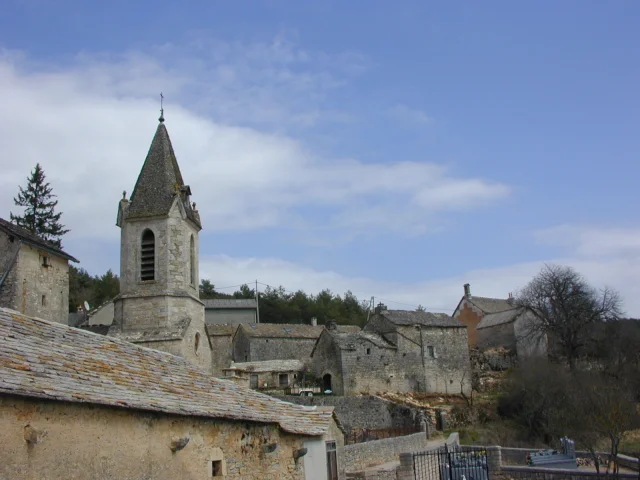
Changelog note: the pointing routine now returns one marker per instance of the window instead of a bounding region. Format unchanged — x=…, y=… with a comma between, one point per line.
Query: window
x=197, y=342
x=283, y=379
x=431, y=352
x=216, y=468
x=192, y=261
x=368, y=351
x=253, y=381
x=44, y=300
x=45, y=261
x=148, y=256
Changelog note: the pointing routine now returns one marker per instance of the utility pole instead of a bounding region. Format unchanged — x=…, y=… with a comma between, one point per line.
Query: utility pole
x=257, y=304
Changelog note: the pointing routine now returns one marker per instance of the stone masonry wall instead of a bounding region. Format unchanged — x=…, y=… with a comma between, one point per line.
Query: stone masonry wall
x=364, y=412
x=32, y=288
x=327, y=360
x=499, y=336
x=360, y=455
x=9, y=289
x=258, y=349
x=221, y=354
x=103, y=443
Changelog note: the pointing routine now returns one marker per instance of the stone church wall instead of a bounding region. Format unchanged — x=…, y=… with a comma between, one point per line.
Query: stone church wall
x=103, y=443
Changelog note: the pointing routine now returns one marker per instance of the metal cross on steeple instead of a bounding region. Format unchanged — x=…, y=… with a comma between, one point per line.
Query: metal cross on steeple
x=161, y=119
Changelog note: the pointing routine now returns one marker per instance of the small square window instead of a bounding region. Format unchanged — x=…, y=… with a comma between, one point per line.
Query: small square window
x=368, y=351
x=431, y=352
x=216, y=468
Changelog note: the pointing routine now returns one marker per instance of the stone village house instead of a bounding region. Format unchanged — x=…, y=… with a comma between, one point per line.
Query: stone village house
x=397, y=350
x=471, y=310
x=74, y=404
x=34, y=274
x=511, y=330
x=270, y=374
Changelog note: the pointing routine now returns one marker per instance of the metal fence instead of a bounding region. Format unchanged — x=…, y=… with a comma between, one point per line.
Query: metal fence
x=463, y=462
x=368, y=435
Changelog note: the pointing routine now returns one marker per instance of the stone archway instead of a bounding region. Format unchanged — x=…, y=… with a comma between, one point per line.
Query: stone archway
x=326, y=382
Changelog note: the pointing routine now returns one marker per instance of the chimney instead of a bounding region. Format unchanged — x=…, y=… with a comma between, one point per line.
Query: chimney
x=511, y=300
x=380, y=308
x=314, y=322
x=332, y=325
x=467, y=290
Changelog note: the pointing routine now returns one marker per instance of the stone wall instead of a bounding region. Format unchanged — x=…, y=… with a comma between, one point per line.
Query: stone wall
x=31, y=288
x=327, y=363
x=365, y=412
x=360, y=455
x=103, y=443
x=498, y=336
x=221, y=353
x=259, y=349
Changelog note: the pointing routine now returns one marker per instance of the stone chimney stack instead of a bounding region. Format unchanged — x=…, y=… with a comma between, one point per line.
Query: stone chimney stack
x=467, y=290
x=332, y=325
x=511, y=300
x=380, y=307
x=314, y=322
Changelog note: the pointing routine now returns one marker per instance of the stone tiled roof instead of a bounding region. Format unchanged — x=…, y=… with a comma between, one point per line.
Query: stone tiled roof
x=282, y=330
x=500, y=318
x=428, y=319
x=220, y=329
x=491, y=305
x=159, y=182
x=47, y=360
x=348, y=328
x=229, y=303
x=350, y=341
x=268, y=366
x=34, y=240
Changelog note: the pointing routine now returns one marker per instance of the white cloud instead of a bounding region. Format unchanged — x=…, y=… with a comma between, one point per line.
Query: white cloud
x=90, y=126
x=592, y=241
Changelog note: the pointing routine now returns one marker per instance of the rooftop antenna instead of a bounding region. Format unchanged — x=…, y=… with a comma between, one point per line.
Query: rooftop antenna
x=161, y=119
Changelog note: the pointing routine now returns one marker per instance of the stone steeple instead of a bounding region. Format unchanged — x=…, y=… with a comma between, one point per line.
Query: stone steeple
x=160, y=182
x=159, y=301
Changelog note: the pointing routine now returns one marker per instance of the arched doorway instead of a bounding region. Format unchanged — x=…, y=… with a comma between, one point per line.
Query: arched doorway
x=326, y=382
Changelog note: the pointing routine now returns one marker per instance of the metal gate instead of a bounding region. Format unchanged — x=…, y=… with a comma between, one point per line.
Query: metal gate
x=465, y=462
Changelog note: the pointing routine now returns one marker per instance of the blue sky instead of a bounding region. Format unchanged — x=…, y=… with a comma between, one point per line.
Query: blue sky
x=396, y=149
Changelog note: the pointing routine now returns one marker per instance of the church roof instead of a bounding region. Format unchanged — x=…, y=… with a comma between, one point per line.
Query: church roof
x=32, y=239
x=160, y=181
x=48, y=360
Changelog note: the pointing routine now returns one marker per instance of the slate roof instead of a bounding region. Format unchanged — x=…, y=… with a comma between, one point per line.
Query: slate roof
x=42, y=359
x=490, y=305
x=159, y=182
x=282, y=330
x=230, y=303
x=350, y=341
x=348, y=328
x=500, y=318
x=34, y=240
x=428, y=319
x=268, y=366
x=214, y=330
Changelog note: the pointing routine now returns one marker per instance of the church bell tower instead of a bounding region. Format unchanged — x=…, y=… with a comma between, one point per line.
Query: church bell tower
x=159, y=304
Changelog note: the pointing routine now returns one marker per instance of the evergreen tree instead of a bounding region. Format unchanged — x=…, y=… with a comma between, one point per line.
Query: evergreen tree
x=39, y=215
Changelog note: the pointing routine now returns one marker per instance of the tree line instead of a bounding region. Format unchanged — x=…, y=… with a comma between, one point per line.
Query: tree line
x=278, y=305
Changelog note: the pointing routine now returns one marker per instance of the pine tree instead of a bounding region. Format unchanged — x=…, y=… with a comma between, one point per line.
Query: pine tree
x=39, y=215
